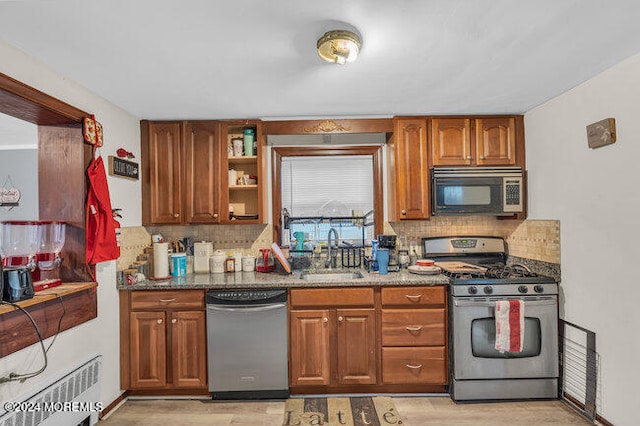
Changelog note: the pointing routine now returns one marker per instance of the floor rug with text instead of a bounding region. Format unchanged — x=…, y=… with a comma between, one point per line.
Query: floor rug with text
x=341, y=411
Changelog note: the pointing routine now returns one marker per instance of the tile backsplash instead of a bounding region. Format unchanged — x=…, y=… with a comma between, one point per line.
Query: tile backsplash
x=246, y=239
x=532, y=239
x=538, y=240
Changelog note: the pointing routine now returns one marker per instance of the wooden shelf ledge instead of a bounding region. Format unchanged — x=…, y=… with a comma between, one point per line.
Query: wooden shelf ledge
x=16, y=330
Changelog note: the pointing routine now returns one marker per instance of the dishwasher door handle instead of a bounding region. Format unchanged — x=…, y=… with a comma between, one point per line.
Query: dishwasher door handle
x=245, y=308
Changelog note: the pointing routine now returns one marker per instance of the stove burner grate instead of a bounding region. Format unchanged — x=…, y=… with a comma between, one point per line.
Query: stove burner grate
x=495, y=272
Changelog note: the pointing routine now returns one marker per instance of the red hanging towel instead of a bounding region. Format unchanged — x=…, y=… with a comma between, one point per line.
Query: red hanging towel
x=509, y=316
x=101, y=233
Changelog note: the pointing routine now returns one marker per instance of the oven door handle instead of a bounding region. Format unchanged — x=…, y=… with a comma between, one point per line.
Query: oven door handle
x=491, y=303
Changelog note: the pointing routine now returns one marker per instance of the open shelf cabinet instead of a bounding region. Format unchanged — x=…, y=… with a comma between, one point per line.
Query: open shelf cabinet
x=244, y=197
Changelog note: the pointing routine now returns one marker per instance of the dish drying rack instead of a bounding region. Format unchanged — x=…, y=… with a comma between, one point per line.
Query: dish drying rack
x=351, y=255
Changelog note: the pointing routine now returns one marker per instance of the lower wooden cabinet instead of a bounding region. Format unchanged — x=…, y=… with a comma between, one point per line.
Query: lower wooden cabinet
x=332, y=346
x=416, y=364
x=356, y=346
x=148, y=348
x=188, y=349
x=163, y=340
x=310, y=347
x=368, y=340
x=414, y=335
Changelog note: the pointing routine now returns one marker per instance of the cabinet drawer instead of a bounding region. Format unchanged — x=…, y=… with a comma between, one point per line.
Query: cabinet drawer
x=361, y=296
x=414, y=365
x=414, y=296
x=167, y=299
x=413, y=327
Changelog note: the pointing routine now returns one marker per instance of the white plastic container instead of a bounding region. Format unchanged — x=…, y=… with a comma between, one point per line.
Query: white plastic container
x=179, y=264
x=238, y=258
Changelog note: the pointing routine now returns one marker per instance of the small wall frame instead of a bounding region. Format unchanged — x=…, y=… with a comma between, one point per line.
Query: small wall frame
x=601, y=133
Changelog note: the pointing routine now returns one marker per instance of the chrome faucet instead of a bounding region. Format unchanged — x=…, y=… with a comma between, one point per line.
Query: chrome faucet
x=330, y=262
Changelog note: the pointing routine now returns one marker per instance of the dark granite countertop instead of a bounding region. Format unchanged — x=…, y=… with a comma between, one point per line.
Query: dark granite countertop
x=272, y=280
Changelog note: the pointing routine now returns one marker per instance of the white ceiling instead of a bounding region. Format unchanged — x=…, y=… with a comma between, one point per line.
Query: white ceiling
x=164, y=59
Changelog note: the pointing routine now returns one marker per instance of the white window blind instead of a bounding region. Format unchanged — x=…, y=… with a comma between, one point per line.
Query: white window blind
x=327, y=186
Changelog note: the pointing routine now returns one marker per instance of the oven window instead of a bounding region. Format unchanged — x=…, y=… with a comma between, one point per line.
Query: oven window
x=467, y=195
x=483, y=338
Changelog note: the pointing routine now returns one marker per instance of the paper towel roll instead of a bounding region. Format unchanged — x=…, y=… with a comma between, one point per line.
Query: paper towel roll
x=160, y=260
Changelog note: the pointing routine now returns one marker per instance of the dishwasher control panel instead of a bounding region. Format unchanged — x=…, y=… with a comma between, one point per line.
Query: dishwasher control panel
x=257, y=297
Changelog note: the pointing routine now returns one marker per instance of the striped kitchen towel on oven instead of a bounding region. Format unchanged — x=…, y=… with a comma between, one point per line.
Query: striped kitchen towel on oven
x=509, y=316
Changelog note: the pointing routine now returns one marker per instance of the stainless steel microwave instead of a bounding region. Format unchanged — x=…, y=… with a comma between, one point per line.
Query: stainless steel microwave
x=495, y=191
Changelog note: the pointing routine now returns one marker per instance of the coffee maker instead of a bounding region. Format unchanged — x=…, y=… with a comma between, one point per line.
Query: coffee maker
x=389, y=242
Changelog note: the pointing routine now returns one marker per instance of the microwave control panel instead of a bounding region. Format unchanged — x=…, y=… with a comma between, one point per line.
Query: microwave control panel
x=512, y=190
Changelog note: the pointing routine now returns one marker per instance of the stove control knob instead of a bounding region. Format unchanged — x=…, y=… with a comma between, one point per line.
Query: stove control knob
x=538, y=288
x=488, y=290
x=523, y=289
x=472, y=290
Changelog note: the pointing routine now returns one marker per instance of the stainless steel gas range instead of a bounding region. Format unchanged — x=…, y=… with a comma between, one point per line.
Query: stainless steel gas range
x=480, y=279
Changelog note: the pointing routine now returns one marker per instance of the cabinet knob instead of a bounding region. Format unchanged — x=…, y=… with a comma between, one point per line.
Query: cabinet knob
x=413, y=298
x=325, y=319
x=173, y=321
x=469, y=157
x=167, y=300
x=403, y=211
x=159, y=321
x=481, y=157
x=414, y=329
x=215, y=215
x=341, y=319
x=176, y=215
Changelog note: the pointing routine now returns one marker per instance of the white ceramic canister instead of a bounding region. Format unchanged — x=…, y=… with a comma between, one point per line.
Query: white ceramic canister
x=216, y=262
x=248, y=263
x=202, y=252
x=238, y=145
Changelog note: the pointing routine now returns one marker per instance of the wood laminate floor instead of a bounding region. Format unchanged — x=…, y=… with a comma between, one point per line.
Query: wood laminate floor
x=416, y=411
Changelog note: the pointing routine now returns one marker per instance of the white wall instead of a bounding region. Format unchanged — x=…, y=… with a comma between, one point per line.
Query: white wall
x=19, y=166
x=595, y=194
x=100, y=335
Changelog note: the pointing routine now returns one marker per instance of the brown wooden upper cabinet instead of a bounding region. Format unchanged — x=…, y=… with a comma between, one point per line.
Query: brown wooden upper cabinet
x=465, y=141
x=409, y=197
x=162, y=172
x=201, y=171
x=185, y=173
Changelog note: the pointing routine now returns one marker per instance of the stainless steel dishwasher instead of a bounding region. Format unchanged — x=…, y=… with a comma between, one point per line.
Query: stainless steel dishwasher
x=247, y=344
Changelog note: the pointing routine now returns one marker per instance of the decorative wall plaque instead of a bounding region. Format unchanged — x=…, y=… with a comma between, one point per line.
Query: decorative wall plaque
x=9, y=194
x=601, y=133
x=123, y=168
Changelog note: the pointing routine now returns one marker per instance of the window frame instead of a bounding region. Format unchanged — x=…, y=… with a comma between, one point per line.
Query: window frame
x=278, y=153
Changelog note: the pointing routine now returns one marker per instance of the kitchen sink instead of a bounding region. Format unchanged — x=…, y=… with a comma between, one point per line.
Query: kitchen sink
x=331, y=275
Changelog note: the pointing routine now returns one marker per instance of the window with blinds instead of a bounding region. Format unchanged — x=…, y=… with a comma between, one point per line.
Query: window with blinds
x=328, y=186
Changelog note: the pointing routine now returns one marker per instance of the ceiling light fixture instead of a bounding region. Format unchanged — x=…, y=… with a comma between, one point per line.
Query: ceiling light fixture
x=339, y=46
